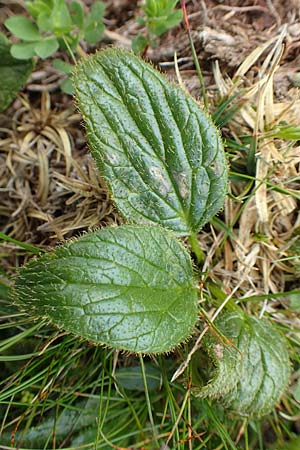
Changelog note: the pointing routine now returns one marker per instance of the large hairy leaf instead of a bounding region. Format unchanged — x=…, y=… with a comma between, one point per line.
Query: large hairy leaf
x=260, y=369
x=159, y=152
x=216, y=367
x=128, y=287
x=13, y=73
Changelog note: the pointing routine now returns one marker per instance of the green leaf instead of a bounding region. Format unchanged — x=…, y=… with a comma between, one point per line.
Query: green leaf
x=131, y=377
x=13, y=73
x=128, y=287
x=45, y=23
x=62, y=66
x=38, y=7
x=161, y=15
x=96, y=14
x=289, y=132
x=152, y=7
x=140, y=21
x=67, y=86
x=215, y=369
x=265, y=372
x=46, y=48
x=139, y=43
x=160, y=25
x=260, y=369
x=92, y=35
x=61, y=19
x=158, y=150
x=23, y=50
x=77, y=14
x=72, y=41
x=93, y=25
x=22, y=28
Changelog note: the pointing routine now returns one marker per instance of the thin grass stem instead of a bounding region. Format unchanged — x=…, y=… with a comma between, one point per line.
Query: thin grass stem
x=24, y=245
x=148, y=401
x=69, y=50
x=195, y=58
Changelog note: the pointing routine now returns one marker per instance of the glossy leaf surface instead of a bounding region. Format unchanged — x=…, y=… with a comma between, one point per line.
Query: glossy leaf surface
x=128, y=287
x=260, y=372
x=159, y=152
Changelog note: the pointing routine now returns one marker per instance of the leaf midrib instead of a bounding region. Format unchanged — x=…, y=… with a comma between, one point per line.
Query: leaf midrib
x=129, y=109
x=126, y=286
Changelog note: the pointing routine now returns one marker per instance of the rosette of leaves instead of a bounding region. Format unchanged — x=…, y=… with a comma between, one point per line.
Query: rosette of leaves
x=132, y=287
x=249, y=376
x=158, y=17
x=55, y=24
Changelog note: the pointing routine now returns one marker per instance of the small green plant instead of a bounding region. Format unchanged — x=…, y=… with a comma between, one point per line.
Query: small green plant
x=54, y=25
x=133, y=287
x=158, y=17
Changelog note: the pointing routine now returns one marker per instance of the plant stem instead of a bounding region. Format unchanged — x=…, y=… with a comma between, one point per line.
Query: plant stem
x=69, y=50
x=179, y=417
x=197, y=250
x=148, y=401
x=196, y=62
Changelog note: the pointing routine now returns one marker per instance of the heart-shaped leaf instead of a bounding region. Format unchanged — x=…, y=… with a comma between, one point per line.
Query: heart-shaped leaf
x=128, y=287
x=158, y=150
x=259, y=368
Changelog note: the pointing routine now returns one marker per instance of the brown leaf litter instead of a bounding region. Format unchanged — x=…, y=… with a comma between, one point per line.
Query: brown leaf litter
x=50, y=187
x=258, y=254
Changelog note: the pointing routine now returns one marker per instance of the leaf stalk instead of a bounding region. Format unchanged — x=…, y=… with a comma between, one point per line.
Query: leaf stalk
x=196, y=249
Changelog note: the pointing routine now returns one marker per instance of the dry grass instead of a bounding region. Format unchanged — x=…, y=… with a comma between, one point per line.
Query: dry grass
x=254, y=253
x=50, y=187
x=263, y=222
